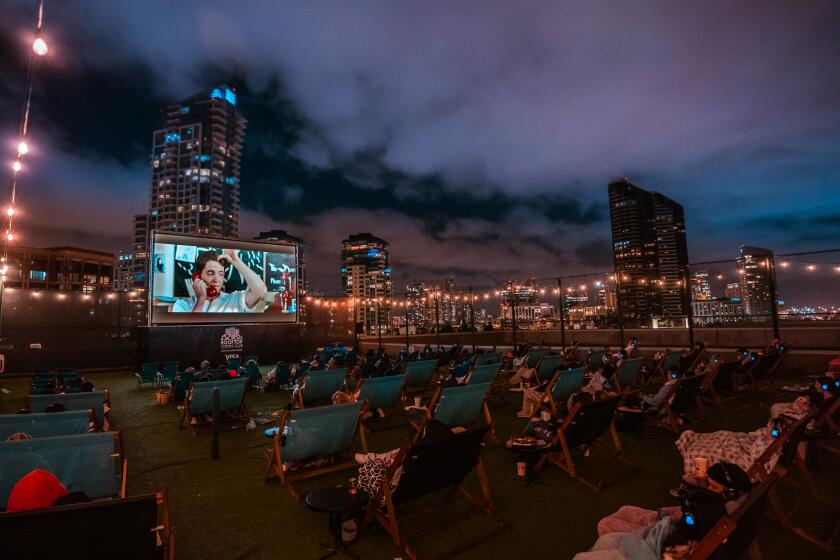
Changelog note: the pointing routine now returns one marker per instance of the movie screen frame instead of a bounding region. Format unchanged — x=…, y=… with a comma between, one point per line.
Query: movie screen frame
x=256, y=255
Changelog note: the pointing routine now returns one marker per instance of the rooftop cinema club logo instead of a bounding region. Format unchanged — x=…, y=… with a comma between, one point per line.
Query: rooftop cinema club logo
x=232, y=343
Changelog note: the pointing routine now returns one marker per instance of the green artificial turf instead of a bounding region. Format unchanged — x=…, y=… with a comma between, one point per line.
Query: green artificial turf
x=222, y=509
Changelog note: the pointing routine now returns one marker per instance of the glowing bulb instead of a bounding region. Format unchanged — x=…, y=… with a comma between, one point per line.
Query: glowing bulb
x=17, y=166
x=784, y=264
x=811, y=267
x=10, y=211
x=39, y=46
x=10, y=236
x=23, y=148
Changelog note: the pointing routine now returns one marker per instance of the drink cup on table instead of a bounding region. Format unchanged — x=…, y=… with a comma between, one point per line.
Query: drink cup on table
x=701, y=467
x=417, y=402
x=521, y=467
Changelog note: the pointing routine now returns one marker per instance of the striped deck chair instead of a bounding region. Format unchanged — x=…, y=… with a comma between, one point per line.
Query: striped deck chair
x=46, y=424
x=419, y=375
x=321, y=385
x=304, y=435
x=584, y=425
x=567, y=383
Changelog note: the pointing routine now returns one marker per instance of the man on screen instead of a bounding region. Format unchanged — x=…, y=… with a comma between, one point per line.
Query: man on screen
x=208, y=286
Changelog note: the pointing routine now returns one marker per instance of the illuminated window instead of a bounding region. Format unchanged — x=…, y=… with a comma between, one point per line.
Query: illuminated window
x=38, y=275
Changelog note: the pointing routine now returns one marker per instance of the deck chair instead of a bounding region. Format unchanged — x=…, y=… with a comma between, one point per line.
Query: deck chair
x=83, y=462
x=429, y=467
x=684, y=396
x=672, y=358
x=563, y=386
x=232, y=398
x=252, y=372
x=127, y=527
x=46, y=424
x=488, y=358
x=320, y=385
x=381, y=392
x=548, y=364
x=98, y=401
x=284, y=374
x=734, y=536
x=584, y=425
x=594, y=360
x=461, y=406
x=182, y=385
x=304, y=435
x=763, y=368
x=534, y=355
x=484, y=373
x=170, y=371
x=419, y=375
x=148, y=374
x=627, y=375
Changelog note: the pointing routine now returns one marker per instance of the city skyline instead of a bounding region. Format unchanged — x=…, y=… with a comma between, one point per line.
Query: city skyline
x=319, y=167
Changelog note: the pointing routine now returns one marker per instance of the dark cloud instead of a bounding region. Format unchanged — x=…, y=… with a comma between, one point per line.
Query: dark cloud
x=475, y=139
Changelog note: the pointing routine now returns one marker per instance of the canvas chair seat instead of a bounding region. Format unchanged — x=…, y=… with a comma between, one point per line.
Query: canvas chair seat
x=46, y=424
x=321, y=385
x=83, y=463
x=381, y=392
x=566, y=383
x=419, y=374
x=182, y=385
x=170, y=371
x=484, y=373
x=534, y=356
x=126, y=527
x=326, y=431
x=460, y=406
x=627, y=375
x=547, y=365
x=94, y=400
x=148, y=374
x=488, y=358
x=232, y=398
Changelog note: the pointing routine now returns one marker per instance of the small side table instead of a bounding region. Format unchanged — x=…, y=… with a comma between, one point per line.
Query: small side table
x=336, y=501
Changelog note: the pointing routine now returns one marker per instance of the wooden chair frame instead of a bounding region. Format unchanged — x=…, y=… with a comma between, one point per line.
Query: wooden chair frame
x=274, y=457
x=428, y=415
x=563, y=460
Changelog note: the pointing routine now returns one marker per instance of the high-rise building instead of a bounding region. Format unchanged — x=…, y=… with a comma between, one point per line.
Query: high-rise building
x=756, y=270
x=281, y=237
x=701, y=287
x=366, y=277
x=733, y=290
x=59, y=268
x=417, y=297
x=649, y=252
x=195, y=171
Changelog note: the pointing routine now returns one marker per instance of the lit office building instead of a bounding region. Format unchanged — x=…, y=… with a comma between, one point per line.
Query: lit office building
x=366, y=278
x=650, y=254
x=701, y=288
x=756, y=272
x=59, y=268
x=195, y=171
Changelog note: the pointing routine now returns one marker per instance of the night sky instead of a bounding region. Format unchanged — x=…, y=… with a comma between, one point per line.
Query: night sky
x=477, y=139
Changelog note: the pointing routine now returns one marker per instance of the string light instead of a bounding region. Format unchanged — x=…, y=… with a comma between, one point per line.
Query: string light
x=17, y=166
x=23, y=148
x=39, y=47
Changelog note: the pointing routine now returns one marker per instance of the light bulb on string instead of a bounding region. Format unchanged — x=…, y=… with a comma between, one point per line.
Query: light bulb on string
x=39, y=46
x=23, y=148
x=10, y=211
x=10, y=236
x=17, y=166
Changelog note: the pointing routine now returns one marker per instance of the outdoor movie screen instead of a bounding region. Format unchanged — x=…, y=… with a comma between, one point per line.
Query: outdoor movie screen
x=209, y=280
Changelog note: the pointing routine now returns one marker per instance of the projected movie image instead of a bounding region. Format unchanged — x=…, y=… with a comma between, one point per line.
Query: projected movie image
x=196, y=280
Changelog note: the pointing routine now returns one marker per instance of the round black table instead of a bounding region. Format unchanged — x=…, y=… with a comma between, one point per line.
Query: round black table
x=336, y=501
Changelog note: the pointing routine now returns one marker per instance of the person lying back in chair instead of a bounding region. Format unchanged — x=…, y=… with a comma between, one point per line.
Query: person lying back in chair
x=819, y=396
x=633, y=532
x=655, y=401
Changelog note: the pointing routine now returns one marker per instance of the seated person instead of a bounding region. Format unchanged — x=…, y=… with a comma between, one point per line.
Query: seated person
x=689, y=358
x=18, y=436
x=818, y=397
x=654, y=402
x=739, y=448
x=542, y=428
x=633, y=532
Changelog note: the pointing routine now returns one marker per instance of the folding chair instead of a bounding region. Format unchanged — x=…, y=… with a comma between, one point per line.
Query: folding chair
x=594, y=359
x=46, y=424
x=734, y=536
x=548, y=364
x=321, y=385
x=534, y=356
x=234, y=364
x=672, y=358
x=419, y=375
x=683, y=395
x=148, y=374
x=488, y=358
x=138, y=527
x=584, y=425
x=381, y=392
x=307, y=434
x=429, y=467
x=627, y=375
x=284, y=374
x=170, y=372
x=86, y=463
x=252, y=372
x=98, y=401
x=484, y=373
x=182, y=385
x=566, y=383
x=232, y=398
x=459, y=406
